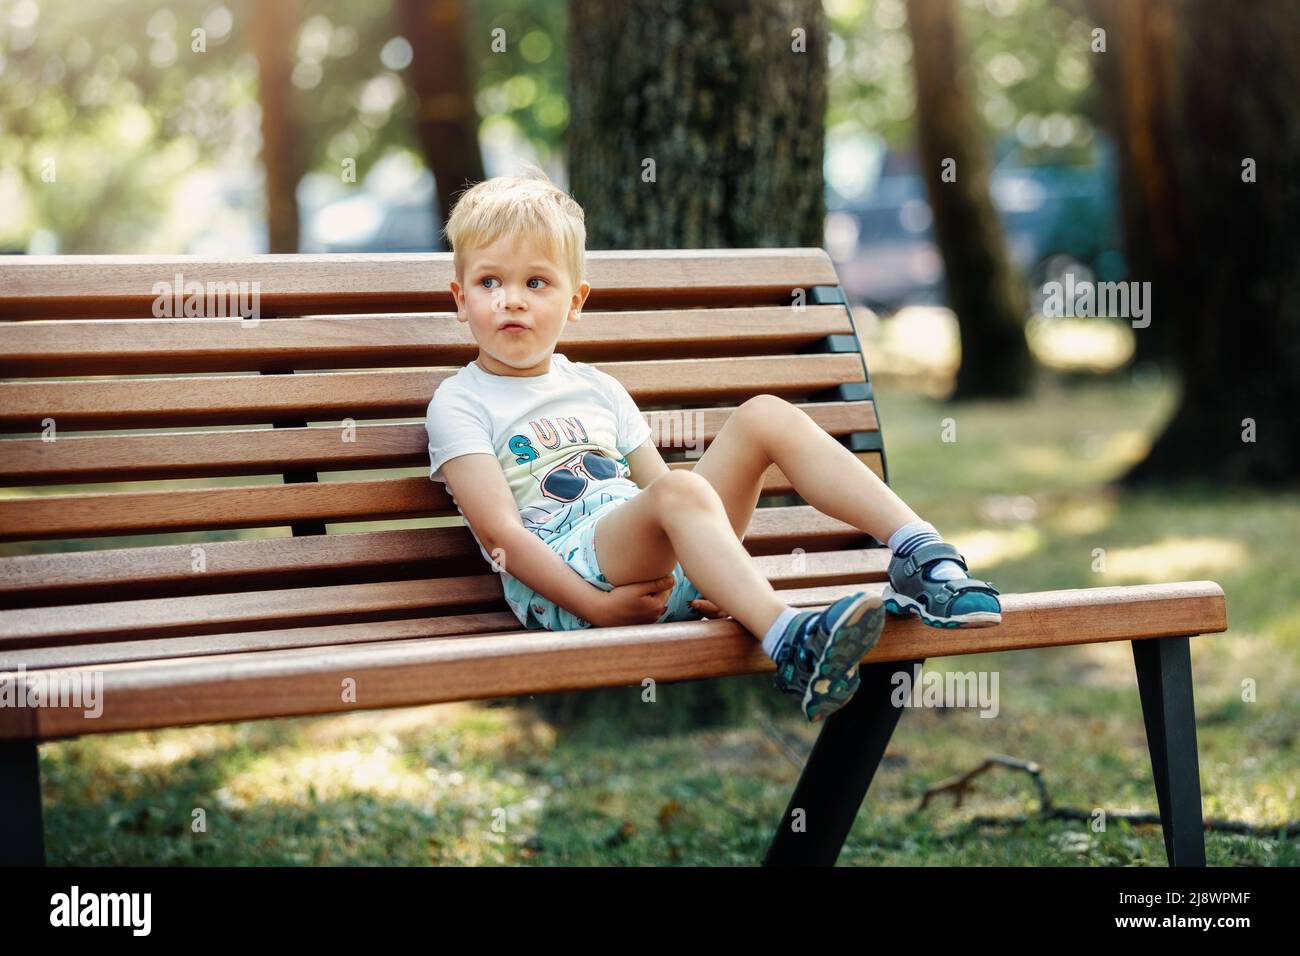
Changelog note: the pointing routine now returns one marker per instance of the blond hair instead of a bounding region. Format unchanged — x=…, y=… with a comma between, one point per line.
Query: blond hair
x=525, y=205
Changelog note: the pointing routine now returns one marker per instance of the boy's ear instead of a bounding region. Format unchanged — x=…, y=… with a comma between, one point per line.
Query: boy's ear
x=575, y=309
x=457, y=297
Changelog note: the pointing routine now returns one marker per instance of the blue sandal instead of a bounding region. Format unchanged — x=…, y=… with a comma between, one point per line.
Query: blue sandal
x=965, y=602
x=819, y=660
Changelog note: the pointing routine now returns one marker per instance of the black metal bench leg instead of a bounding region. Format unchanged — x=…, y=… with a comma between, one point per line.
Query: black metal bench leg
x=1164, y=674
x=22, y=840
x=839, y=770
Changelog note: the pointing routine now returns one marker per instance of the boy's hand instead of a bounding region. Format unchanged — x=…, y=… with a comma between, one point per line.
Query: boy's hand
x=641, y=602
x=708, y=608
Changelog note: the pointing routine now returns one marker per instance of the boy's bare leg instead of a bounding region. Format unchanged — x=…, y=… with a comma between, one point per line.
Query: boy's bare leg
x=767, y=429
x=680, y=517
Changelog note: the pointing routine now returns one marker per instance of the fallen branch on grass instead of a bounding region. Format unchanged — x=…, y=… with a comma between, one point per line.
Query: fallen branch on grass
x=961, y=785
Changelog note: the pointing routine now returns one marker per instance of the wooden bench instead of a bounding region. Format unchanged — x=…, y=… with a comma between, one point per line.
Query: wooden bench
x=313, y=416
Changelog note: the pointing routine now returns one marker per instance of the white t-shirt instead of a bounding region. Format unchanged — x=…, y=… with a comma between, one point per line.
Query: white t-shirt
x=559, y=437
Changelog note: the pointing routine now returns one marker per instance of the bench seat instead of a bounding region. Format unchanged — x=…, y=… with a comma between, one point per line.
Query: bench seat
x=252, y=675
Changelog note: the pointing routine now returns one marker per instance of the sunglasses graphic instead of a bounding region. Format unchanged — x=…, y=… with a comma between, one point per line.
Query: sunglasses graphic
x=568, y=481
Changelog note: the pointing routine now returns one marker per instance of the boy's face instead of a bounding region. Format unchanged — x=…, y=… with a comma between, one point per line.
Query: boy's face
x=516, y=301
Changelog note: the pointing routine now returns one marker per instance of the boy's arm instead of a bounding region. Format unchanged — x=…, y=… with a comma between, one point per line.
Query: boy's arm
x=645, y=463
x=485, y=499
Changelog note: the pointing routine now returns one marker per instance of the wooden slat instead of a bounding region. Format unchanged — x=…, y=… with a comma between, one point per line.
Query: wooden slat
x=80, y=576
x=47, y=517
x=117, y=573
x=403, y=673
x=325, y=635
x=196, y=509
x=819, y=569
x=93, y=458
x=136, y=347
x=291, y=607
x=159, y=617
x=111, y=286
x=74, y=459
x=317, y=396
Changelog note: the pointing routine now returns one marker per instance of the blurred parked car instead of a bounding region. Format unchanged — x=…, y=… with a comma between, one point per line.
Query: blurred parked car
x=1059, y=213
x=377, y=219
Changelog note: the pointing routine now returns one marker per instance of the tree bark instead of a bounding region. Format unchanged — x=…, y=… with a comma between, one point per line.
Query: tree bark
x=1139, y=78
x=283, y=158
x=1237, y=342
x=696, y=125
x=440, y=77
x=984, y=289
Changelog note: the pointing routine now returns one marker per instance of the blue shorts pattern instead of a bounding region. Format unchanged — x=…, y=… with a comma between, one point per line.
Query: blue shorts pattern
x=576, y=545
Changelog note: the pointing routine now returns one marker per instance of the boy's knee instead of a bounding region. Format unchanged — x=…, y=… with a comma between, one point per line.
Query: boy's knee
x=681, y=488
x=764, y=410
x=764, y=415
x=764, y=405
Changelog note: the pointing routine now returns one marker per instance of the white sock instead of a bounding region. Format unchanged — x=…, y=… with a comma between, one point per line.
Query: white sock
x=772, y=640
x=913, y=535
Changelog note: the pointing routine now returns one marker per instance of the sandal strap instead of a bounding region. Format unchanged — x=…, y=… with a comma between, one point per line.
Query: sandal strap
x=970, y=584
x=941, y=599
x=930, y=553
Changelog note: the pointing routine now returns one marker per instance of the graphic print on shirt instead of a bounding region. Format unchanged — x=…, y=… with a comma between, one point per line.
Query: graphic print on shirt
x=566, y=470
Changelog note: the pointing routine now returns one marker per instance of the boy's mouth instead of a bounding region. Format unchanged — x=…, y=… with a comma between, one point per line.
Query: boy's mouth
x=513, y=327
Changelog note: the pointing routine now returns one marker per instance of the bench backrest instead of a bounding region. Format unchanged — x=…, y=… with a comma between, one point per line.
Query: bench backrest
x=252, y=438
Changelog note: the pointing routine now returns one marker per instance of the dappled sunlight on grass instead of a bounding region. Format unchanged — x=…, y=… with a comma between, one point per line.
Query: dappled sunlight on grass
x=154, y=751
x=1109, y=665
x=1286, y=624
x=329, y=774
x=1260, y=804
x=1174, y=559
x=918, y=342
x=1083, y=517
x=1041, y=459
x=923, y=344
x=1088, y=458
x=1125, y=448
x=1059, y=439
x=333, y=728
x=988, y=547
x=407, y=786
x=1084, y=344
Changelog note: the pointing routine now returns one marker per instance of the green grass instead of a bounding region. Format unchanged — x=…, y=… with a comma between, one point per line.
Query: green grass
x=1022, y=491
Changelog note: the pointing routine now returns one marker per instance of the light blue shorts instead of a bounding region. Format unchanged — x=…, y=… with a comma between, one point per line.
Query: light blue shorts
x=578, y=548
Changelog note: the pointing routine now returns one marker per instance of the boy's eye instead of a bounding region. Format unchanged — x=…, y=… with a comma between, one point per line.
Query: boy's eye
x=487, y=279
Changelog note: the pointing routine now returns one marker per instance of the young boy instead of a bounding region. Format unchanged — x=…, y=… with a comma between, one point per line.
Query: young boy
x=553, y=468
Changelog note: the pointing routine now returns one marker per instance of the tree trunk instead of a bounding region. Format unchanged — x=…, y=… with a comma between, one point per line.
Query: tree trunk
x=984, y=289
x=696, y=125
x=731, y=118
x=283, y=158
x=440, y=79
x=1138, y=74
x=1238, y=273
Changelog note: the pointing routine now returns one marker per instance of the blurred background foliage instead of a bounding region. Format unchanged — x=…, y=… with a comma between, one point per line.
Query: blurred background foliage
x=156, y=146
x=1030, y=58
